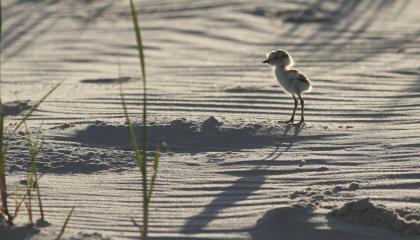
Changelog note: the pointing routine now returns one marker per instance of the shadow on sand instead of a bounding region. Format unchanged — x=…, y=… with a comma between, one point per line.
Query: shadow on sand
x=249, y=181
x=187, y=137
x=17, y=233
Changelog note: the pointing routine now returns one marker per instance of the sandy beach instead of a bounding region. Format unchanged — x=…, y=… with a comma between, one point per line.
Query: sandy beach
x=230, y=170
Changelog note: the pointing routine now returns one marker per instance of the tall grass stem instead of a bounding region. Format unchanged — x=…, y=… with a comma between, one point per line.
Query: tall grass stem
x=140, y=49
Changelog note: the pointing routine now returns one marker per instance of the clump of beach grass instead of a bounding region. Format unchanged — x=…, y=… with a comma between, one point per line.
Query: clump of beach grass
x=34, y=148
x=33, y=179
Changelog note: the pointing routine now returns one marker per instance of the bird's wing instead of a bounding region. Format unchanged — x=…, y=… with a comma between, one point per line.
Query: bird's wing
x=295, y=74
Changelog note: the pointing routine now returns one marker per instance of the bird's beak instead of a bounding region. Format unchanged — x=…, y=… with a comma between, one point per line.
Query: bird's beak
x=266, y=61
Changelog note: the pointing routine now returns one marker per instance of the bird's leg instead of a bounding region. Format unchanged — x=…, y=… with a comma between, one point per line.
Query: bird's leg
x=302, y=104
x=294, y=111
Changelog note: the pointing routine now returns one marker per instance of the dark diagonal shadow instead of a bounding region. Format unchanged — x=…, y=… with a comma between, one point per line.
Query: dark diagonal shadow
x=230, y=195
x=249, y=182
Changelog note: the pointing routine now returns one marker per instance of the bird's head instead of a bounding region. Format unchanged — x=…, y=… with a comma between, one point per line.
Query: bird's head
x=279, y=58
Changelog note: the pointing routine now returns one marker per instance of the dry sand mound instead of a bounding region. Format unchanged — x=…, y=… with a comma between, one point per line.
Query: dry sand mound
x=105, y=146
x=299, y=222
x=184, y=136
x=365, y=212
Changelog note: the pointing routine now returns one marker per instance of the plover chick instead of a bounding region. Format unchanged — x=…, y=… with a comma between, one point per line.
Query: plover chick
x=291, y=80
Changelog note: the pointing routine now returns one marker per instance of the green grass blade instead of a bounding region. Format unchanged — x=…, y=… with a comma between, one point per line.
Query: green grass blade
x=139, y=159
x=38, y=193
x=35, y=107
x=131, y=132
x=139, y=40
x=33, y=153
x=4, y=210
x=144, y=120
x=140, y=49
x=31, y=176
x=140, y=227
x=154, y=173
x=33, y=180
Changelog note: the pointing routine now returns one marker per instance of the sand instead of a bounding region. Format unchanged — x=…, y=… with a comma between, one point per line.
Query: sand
x=231, y=170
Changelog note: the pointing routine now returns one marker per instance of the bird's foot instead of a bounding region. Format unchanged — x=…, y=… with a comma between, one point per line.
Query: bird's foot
x=300, y=123
x=290, y=121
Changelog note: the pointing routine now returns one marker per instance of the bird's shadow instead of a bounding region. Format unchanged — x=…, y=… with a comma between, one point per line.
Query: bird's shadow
x=276, y=152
